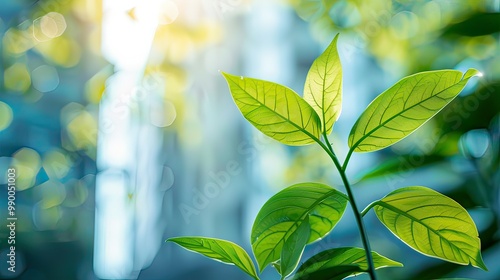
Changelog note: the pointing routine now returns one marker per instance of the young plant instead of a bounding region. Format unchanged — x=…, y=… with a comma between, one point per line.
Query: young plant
x=427, y=221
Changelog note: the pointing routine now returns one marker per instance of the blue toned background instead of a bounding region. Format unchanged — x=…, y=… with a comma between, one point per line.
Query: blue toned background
x=123, y=133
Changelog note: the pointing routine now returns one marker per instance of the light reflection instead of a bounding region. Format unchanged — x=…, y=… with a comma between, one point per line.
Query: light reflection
x=77, y=192
x=45, y=78
x=18, y=41
x=168, y=12
x=17, y=77
x=53, y=24
x=50, y=26
x=162, y=115
x=61, y=50
x=27, y=163
x=345, y=14
x=405, y=25
x=127, y=237
x=45, y=218
x=51, y=194
x=82, y=131
x=56, y=164
x=5, y=115
x=113, y=251
x=475, y=143
x=167, y=178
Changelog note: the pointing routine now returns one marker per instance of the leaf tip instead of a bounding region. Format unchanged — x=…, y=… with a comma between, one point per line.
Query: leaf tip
x=480, y=264
x=228, y=76
x=472, y=73
x=398, y=264
x=336, y=37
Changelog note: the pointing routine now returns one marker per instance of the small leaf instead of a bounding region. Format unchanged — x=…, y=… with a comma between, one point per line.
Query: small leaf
x=277, y=266
x=283, y=213
x=219, y=250
x=275, y=110
x=294, y=247
x=339, y=263
x=432, y=224
x=323, y=87
x=404, y=107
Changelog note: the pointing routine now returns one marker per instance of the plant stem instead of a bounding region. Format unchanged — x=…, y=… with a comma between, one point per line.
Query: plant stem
x=347, y=158
x=359, y=220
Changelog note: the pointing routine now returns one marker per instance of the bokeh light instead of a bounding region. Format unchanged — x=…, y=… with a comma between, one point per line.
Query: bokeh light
x=17, y=78
x=115, y=116
x=163, y=115
x=49, y=26
x=56, y=164
x=5, y=115
x=27, y=163
x=50, y=194
x=45, y=78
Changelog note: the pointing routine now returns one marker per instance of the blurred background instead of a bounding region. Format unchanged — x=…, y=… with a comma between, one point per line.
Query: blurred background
x=123, y=132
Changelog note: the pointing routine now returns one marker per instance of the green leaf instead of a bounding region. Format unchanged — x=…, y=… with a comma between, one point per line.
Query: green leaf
x=219, y=250
x=479, y=24
x=275, y=110
x=454, y=279
x=277, y=266
x=339, y=263
x=323, y=87
x=404, y=107
x=432, y=224
x=294, y=247
x=283, y=213
x=400, y=164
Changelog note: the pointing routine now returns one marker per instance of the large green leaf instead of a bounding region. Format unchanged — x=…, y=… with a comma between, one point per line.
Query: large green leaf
x=404, y=107
x=339, y=263
x=275, y=110
x=432, y=224
x=219, y=250
x=323, y=87
x=294, y=247
x=283, y=214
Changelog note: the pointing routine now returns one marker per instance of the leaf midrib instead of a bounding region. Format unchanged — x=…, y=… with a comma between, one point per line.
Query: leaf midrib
x=288, y=120
x=242, y=264
x=316, y=203
x=323, y=85
x=395, y=116
x=323, y=93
